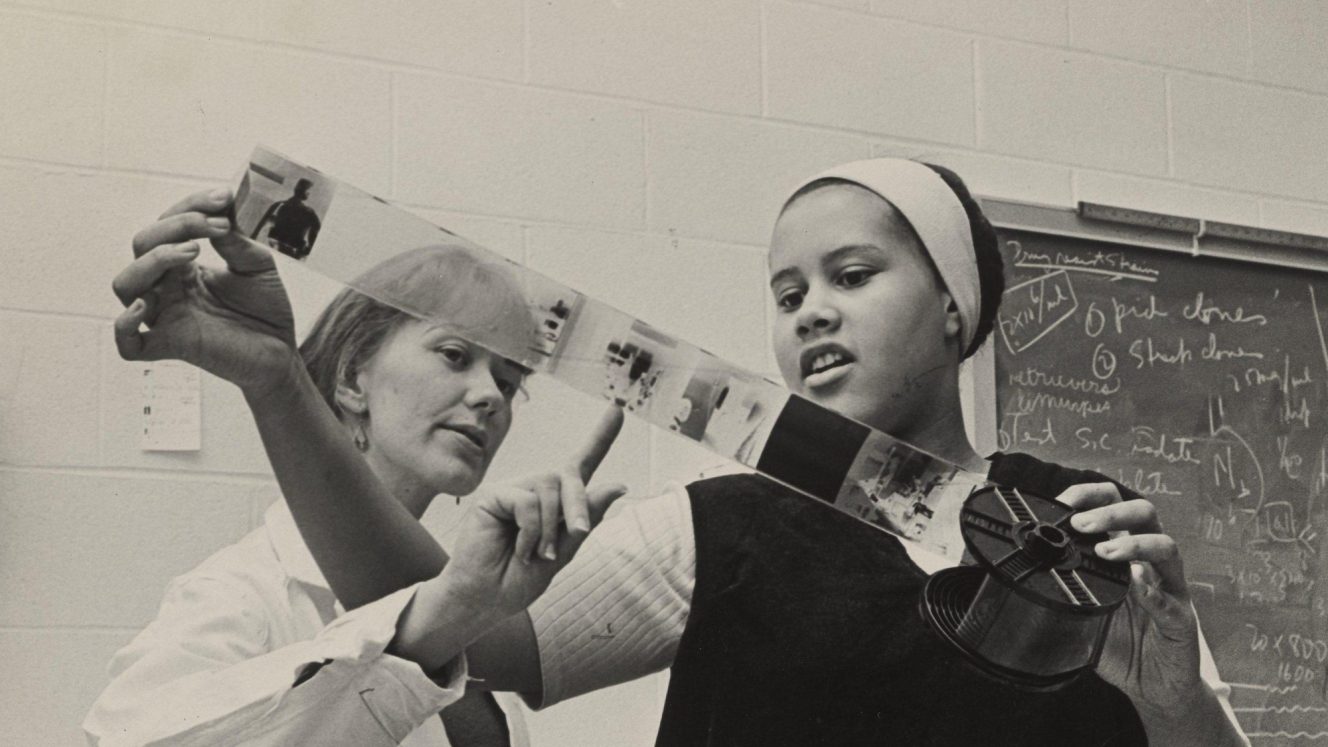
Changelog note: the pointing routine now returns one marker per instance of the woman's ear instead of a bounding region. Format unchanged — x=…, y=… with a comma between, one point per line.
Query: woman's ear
x=953, y=323
x=351, y=397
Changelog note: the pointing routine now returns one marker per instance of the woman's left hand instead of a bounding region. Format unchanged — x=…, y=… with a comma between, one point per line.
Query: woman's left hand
x=1152, y=648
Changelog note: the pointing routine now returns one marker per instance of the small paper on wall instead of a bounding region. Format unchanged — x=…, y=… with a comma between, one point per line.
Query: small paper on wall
x=172, y=407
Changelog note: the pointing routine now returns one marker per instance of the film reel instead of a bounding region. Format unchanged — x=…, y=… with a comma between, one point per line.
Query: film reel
x=1033, y=608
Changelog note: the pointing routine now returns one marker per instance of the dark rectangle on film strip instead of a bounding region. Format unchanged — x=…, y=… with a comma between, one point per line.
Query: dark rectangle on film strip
x=812, y=448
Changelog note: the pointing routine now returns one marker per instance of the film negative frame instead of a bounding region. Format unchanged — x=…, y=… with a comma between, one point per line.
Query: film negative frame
x=345, y=233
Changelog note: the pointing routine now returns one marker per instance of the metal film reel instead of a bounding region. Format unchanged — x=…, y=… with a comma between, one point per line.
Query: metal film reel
x=1033, y=607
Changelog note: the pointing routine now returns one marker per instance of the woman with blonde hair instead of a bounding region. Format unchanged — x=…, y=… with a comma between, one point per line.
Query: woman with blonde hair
x=425, y=410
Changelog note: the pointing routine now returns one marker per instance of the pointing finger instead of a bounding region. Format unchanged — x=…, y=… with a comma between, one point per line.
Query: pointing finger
x=575, y=511
x=550, y=505
x=597, y=446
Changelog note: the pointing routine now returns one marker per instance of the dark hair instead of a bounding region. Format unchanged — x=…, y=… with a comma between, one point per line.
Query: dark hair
x=986, y=249
x=443, y=282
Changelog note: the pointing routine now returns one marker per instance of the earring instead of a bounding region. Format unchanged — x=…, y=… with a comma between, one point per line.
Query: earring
x=361, y=438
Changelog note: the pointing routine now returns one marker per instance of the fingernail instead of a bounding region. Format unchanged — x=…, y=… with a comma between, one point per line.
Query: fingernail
x=219, y=195
x=189, y=248
x=1105, y=549
x=137, y=305
x=221, y=224
x=580, y=525
x=1082, y=523
x=547, y=553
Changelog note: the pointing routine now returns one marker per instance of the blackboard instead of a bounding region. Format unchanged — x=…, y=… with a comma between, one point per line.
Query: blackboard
x=1202, y=383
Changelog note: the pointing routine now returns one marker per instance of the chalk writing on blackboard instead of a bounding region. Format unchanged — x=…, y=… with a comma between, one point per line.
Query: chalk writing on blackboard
x=1202, y=384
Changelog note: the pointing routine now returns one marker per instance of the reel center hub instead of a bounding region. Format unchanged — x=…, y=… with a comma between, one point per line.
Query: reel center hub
x=1047, y=543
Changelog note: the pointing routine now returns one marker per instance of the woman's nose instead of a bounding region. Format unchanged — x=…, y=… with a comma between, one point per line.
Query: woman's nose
x=482, y=392
x=817, y=316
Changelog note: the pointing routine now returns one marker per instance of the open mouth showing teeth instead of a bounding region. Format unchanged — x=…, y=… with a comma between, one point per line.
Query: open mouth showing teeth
x=827, y=361
x=823, y=361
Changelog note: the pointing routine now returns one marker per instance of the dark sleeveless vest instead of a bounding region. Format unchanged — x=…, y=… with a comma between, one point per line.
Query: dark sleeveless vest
x=804, y=630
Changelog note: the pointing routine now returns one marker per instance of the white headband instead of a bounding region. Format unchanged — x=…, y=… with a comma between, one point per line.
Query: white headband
x=938, y=218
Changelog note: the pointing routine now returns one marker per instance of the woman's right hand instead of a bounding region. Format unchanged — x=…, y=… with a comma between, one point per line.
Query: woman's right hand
x=496, y=569
x=517, y=535
x=235, y=323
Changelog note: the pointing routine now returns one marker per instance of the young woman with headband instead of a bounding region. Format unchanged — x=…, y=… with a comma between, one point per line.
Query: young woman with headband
x=784, y=622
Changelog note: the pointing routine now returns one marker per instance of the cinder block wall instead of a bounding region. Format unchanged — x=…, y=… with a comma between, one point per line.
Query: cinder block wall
x=637, y=150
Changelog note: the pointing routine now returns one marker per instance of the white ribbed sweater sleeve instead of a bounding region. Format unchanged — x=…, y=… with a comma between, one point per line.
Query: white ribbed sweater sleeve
x=617, y=611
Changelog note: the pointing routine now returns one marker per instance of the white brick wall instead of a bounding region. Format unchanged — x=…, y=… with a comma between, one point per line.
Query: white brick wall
x=1210, y=36
x=848, y=72
x=636, y=149
x=518, y=151
x=175, y=92
x=55, y=81
x=1250, y=137
x=1050, y=104
x=620, y=48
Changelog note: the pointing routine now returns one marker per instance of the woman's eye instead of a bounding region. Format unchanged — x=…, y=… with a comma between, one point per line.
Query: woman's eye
x=454, y=355
x=855, y=276
x=788, y=300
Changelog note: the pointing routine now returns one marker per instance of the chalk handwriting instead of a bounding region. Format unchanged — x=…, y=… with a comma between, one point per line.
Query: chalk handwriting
x=1229, y=474
x=1289, y=463
x=1293, y=646
x=1295, y=409
x=1018, y=434
x=1212, y=352
x=1104, y=362
x=1026, y=404
x=1036, y=377
x=1206, y=312
x=1147, y=312
x=1031, y=309
x=1146, y=483
x=1146, y=353
x=1090, y=441
x=1170, y=449
x=1115, y=265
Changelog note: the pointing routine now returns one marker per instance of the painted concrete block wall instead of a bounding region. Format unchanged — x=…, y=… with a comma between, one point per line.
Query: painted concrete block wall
x=636, y=149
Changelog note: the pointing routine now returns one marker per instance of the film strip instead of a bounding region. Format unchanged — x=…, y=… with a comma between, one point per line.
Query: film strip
x=345, y=234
